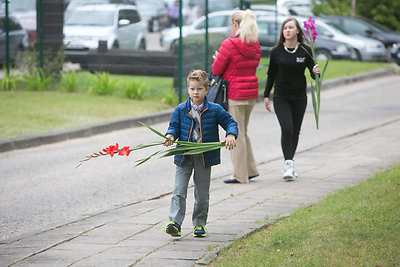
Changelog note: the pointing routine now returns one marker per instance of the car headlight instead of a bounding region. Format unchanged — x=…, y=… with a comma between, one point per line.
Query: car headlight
x=394, y=48
x=342, y=48
x=371, y=47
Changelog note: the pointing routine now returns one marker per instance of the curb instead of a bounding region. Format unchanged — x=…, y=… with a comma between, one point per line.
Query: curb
x=28, y=141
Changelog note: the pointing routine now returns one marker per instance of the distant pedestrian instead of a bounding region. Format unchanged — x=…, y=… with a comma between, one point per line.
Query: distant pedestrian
x=287, y=64
x=237, y=61
x=172, y=15
x=192, y=13
x=196, y=120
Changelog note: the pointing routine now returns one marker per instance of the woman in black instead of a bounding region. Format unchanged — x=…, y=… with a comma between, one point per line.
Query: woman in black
x=288, y=62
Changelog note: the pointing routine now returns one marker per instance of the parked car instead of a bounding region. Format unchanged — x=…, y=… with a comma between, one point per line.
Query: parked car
x=119, y=25
x=295, y=7
x=153, y=12
x=18, y=40
x=366, y=49
x=268, y=34
x=78, y=3
x=213, y=6
x=370, y=29
x=218, y=22
x=25, y=12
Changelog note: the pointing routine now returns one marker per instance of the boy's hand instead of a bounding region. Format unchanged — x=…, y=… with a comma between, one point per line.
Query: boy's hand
x=169, y=142
x=230, y=142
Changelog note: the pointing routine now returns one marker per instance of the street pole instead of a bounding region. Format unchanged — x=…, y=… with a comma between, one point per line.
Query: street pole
x=7, y=42
x=40, y=31
x=180, y=53
x=353, y=7
x=206, y=54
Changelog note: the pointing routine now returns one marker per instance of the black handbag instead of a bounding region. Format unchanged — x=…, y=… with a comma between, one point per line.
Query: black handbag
x=218, y=90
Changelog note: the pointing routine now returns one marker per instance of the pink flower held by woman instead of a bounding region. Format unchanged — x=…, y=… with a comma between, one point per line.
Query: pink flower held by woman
x=309, y=26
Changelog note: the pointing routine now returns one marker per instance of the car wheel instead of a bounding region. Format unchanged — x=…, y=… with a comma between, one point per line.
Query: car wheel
x=323, y=54
x=358, y=55
x=115, y=45
x=142, y=45
x=155, y=26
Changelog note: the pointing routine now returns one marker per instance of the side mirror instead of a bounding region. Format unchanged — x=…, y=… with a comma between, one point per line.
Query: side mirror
x=328, y=35
x=124, y=22
x=368, y=32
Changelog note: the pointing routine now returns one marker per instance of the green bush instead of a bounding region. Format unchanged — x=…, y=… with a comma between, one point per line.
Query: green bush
x=103, y=84
x=68, y=80
x=8, y=82
x=37, y=81
x=135, y=90
x=52, y=62
x=170, y=97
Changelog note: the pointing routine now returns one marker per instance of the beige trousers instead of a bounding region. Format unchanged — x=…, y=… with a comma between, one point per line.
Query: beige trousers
x=242, y=156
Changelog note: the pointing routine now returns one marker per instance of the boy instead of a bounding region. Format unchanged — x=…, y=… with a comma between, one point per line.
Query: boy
x=196, y=120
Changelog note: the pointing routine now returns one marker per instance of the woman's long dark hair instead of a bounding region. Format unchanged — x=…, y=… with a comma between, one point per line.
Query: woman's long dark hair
x=300, y=36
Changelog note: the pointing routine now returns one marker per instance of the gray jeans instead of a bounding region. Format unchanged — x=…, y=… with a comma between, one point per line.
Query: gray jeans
x=201, y=179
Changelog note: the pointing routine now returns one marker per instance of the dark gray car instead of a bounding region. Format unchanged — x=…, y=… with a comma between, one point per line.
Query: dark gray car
x=18, y=40
x=268, y=33
x=371, y=29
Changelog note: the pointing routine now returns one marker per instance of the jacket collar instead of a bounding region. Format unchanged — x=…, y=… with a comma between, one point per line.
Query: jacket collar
x=189, y=106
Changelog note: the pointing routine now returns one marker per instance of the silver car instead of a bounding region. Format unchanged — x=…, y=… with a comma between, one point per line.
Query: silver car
x=119, y=25
x=366, y=49
x=218, y=22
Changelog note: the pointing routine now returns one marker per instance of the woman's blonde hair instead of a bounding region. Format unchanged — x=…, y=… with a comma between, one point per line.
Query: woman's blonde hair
x=248, y=28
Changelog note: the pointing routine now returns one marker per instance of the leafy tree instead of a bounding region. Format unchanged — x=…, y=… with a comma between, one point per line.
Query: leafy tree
x=385, y=12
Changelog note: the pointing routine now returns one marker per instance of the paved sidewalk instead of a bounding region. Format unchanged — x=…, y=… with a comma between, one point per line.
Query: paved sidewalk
x=131, y=235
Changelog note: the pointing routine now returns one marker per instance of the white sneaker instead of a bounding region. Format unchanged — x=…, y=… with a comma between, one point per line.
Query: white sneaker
x=288, y=170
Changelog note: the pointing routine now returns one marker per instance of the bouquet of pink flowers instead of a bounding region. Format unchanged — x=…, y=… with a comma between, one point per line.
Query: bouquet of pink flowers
x=186, y=148
x=309, y=26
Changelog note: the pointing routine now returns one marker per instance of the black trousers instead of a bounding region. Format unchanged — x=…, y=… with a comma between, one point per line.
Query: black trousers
x=290, y=112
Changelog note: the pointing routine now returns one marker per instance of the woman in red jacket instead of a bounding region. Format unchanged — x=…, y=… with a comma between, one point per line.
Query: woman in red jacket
x=237, y=61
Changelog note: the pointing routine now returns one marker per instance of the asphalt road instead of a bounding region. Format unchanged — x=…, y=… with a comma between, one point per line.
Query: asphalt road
x=40, y=187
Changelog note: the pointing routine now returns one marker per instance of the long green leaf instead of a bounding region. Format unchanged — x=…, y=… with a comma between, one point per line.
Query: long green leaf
x=154, y=130
x=141, y=161
x=314, y=104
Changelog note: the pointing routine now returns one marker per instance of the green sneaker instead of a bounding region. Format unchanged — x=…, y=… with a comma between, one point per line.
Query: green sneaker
x=200, y=231
x=172, y=228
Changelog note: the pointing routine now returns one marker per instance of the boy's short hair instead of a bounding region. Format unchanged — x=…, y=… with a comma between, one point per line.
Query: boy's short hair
x=198, y=75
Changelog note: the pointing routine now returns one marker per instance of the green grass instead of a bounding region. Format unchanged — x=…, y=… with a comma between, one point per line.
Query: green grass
x=26, y=112
x=358, y=226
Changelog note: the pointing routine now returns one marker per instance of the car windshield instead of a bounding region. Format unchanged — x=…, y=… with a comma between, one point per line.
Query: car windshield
x=377, y=26
x=83, y=17
x=22, y=5
x=337, y=28
x=148, y=6
x=220, y=5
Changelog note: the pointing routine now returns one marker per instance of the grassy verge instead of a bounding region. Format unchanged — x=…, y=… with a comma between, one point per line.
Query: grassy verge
x=358, y=226
x=28, y=112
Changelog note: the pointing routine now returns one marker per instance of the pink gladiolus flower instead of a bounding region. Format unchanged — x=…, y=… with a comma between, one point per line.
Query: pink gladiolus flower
x=124, y=151
x=309, y=26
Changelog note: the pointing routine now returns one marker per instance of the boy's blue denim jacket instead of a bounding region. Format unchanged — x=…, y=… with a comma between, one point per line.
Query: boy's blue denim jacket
x=182, y=123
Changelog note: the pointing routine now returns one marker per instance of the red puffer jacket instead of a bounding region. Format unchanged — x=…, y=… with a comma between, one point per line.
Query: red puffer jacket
x=237, y=62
